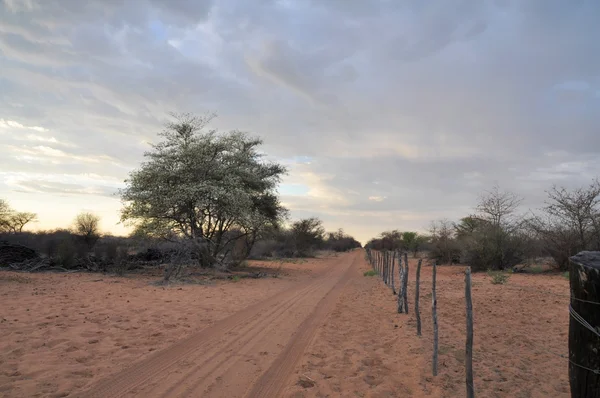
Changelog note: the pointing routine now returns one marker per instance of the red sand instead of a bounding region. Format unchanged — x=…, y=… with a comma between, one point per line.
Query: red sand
x=321, y=330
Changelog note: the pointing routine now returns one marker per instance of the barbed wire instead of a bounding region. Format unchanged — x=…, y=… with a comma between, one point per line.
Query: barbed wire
x=596, y=371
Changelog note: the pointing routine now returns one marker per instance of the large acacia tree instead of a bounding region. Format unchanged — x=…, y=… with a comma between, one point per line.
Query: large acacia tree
x=207, y=187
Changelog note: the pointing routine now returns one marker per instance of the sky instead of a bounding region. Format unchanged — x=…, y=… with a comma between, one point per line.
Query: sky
x=389, y=114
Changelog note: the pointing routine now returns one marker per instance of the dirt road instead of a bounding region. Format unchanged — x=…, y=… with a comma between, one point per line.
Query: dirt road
x=251, y=353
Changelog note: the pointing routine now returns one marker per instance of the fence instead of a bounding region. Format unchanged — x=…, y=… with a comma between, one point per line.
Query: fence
x=584, y=364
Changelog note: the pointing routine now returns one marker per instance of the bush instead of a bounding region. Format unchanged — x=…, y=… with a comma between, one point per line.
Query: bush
x=498, y=278
x=493, y=248
x=370, y=273
x=66, y=254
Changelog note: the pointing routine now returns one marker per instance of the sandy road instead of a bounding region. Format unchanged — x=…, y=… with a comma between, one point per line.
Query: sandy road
x=249, y=354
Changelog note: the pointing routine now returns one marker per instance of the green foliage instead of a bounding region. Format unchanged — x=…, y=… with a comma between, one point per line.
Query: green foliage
x=566, y=275
x=498, y=278
x=370, y=273
x=340, y=242
x=444, y=247
x=396, y=240
x=308, y=235
x=236, y=278
x=202, y=185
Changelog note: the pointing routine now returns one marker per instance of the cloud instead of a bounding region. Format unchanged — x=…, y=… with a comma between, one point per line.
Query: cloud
x=418, y=103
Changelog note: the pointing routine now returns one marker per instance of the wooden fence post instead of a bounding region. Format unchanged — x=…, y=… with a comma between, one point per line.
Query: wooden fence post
x=469, y=344
x=387, y=268
x=417, y=284
x=384, y=273
x=405, y=285
x=584, y=323
x=401, y=287
x=392, y=271
x=435, y=321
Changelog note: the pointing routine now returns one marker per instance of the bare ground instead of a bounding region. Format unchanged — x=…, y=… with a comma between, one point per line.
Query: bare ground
x=321, y=330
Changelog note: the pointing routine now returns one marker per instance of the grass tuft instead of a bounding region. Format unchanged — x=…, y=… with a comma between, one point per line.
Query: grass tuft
x=498, y=277
x=370, y=272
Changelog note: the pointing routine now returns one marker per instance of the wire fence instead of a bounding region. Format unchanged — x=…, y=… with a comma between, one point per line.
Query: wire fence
x=384, y=264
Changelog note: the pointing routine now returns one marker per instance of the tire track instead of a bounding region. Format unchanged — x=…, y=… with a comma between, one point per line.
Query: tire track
x=159, y=375
x=207, y=366
x=274, y=380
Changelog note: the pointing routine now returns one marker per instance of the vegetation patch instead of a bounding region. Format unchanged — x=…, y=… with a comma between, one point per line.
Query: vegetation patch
x=498, y=277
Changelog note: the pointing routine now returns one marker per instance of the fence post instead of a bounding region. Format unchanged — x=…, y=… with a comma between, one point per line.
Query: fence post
x=384, y=273
x=392, y=271
x=405, y=285
x=417, y=284
x=435, y=321
x=387, y=267
x=469, y=344
x=401, y=287
x=584, y=336
x=389, y=271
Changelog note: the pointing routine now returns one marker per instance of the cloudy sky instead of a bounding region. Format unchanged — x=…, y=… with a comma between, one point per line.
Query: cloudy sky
x=388, y=113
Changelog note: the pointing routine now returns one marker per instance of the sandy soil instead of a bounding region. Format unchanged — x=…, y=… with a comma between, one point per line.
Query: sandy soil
x=365, y=349
x=321, y=330
x=63, y=332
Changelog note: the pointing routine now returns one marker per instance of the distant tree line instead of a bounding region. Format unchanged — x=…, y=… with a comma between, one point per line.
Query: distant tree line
x=499, y=236
x=396, y=240
x=303, y=238
x=199, y=197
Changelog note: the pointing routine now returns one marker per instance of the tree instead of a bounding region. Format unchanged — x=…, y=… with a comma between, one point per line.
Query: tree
x=87, y=226
x=467, y=226
x=493, y=238
x=339, y=241
x=12, y=221
x=18, y=220
x=499, y=208
x=443, y=243
x=200, y=185
x=308, y=234
x=570, y=222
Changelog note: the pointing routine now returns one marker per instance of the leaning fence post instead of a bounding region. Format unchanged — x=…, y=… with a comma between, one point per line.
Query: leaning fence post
x=417, y=284
x=435, y=321
x=584, y=336
x=469, y=344
x=405, y=284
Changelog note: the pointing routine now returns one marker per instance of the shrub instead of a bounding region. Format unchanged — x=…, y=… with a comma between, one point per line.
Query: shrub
x=370, y=273
x=66, y=254
x=498, y=278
